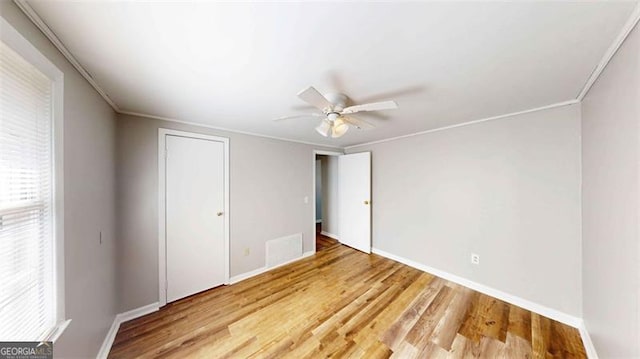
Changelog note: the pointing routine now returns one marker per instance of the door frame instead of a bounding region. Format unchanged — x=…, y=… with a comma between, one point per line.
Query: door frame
x=162, y=220
x=313, y=171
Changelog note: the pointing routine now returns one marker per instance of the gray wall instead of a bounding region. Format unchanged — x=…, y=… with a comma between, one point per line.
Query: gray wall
x=330, y=220
x=508, y=190
x=89, y=175
x=269, y=180
x=611, y=264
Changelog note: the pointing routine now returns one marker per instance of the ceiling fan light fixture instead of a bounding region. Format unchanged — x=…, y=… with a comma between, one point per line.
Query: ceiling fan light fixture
x=334, y=108
x=324, y=128
x=339, y=128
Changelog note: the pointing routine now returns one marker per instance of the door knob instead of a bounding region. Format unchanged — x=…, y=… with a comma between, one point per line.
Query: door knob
x=219, y=214
x=366, y=202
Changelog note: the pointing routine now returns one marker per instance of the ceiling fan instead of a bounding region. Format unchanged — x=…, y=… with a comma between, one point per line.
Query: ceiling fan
x=335, y=122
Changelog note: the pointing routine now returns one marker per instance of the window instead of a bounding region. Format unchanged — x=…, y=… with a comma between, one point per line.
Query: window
x=31, y=305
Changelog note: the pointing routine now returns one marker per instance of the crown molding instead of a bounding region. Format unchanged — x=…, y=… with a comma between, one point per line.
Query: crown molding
x=619, y=40
x=37, y=20
x=559, y=104
x=199, y=124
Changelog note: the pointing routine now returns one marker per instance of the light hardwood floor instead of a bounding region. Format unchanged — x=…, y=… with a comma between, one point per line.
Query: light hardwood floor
x=343, y=303
x=323, y=242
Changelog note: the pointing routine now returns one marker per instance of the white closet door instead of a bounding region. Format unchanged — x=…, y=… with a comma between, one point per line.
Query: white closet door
x=194, y=215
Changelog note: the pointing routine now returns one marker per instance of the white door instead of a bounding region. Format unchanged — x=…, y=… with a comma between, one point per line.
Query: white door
x=354, y=183
x=194, y=218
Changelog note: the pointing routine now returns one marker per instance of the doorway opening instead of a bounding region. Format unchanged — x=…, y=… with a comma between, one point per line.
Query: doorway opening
x=342, y=196
x=326, y=199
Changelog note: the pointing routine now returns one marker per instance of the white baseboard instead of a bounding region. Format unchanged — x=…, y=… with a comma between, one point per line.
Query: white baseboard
x=586, y=341
x=108, y=340
x=330, y=235
x=119, y=319
x=509, y=298
x=138, y=312
x=240, y=277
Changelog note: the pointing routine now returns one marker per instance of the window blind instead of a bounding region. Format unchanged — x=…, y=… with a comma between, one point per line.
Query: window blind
x=27, y=278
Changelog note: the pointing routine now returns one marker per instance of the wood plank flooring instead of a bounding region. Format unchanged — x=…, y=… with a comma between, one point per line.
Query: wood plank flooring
x=323, y=242
x=345, y=304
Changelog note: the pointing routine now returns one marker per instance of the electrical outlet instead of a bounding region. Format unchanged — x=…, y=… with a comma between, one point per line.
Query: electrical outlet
x=246, y=251
x=475, y=259
x=306, y=199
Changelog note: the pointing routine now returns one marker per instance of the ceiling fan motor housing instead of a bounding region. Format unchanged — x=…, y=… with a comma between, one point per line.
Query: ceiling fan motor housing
x=332, y=116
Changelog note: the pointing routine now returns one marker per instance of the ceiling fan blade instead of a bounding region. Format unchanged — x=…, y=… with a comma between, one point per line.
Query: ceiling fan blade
x=357, y=123
x=312, y=96
x=306, y=115
x=374, y=106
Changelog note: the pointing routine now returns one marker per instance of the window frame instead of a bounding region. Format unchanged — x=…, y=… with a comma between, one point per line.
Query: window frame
x=12, y=38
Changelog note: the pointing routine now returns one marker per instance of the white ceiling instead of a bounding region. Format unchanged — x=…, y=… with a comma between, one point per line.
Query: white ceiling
x=240, y=65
